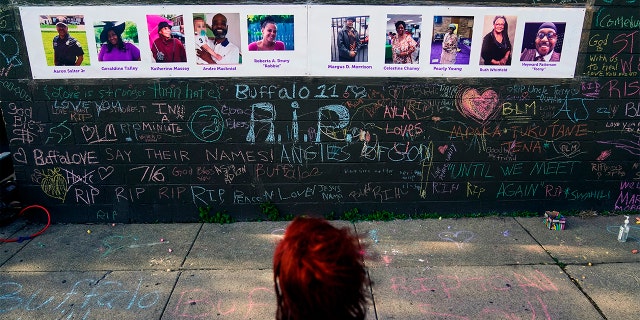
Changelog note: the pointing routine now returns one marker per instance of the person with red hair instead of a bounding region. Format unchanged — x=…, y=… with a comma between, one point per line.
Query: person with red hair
x=319, y=273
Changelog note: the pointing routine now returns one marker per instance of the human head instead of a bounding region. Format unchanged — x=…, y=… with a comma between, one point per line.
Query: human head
x=112, y=32
x=500, y=24
x=319, y=272
x=219, y=26
x=546, y=38
x=62, y=29
x=164, y=29
x=199, y=25
x=113, y=37
x=269, y=29
x=350, y=21
x=452, y=28
x=401, y=26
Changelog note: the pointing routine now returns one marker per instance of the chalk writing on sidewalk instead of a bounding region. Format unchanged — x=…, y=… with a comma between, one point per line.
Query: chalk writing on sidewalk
x=81, y=299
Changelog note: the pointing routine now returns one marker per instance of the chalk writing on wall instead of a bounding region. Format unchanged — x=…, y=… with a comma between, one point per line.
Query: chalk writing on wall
x=160, y=149
x=378, y=146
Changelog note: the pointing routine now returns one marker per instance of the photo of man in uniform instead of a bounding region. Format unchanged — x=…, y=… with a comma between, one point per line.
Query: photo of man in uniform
x=64, y=39
x=67, y=51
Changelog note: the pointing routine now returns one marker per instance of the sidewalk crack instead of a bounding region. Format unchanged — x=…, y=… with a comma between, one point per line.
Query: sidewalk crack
x=104, y=276
x=563, y=267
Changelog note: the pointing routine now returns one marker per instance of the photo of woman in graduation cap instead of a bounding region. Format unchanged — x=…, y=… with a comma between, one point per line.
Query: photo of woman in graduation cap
x=113, y=47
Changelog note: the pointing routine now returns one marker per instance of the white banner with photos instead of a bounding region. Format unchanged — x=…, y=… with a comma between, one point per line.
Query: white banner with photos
x=301, y=40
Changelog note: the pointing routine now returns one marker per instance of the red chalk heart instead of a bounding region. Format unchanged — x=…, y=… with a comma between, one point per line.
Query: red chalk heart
x=478, y=106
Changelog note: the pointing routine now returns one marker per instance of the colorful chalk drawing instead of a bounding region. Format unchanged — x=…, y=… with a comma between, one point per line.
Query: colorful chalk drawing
x=25, y=129
x=115, y=243
x=57, y=183
x=59, y=133
x=458, y=237
x=480, y=107
x=450, y=142
x=425, y=170
x=631, y=146
x=9, y=54
x=634, y=232
x=207, y=124
x=206, y=304
x=4, y=16
x=268, y=108
x=84, y=299
x=105, y=172
x=52, y=182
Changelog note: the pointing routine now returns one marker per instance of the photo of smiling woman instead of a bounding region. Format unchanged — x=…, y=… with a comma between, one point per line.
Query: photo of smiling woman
x=403, y=39
x=116, y=44
x=497, y=46
x=270, y=33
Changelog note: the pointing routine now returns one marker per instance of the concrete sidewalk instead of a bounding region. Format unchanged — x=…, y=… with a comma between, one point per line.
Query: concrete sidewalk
x=477, y=268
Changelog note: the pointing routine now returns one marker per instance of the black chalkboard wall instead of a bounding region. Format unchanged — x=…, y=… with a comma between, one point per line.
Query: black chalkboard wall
x=129, y=150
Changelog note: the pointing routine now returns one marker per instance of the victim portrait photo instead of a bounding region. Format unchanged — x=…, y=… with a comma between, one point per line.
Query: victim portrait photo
x=403, y=39
x=166, y=38
x=451, y=43
x=270, y=32
x=117, y=41
x=497, y=42
x=542, y=41
x=217, y=38
x=350, y=39
x=65, y=40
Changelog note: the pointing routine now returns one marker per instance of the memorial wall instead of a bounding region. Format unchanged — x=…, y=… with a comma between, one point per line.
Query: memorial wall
x=420, y=119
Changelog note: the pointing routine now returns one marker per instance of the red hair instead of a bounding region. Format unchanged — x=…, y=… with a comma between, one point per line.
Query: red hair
x=319, y=273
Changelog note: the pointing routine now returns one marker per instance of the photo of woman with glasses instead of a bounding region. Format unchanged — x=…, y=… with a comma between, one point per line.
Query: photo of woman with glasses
x=496, y=45
x=547, y=43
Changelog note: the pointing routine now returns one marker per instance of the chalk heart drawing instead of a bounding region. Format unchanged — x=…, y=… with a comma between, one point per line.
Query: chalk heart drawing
x=457, y=237
x=20, y=156
x=105, y=172
x=569, y=148
x=478, y=106
x=54, y=184
x=443, y=148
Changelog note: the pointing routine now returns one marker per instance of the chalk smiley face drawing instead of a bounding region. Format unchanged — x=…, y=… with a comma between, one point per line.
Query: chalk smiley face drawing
x=207, y=124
